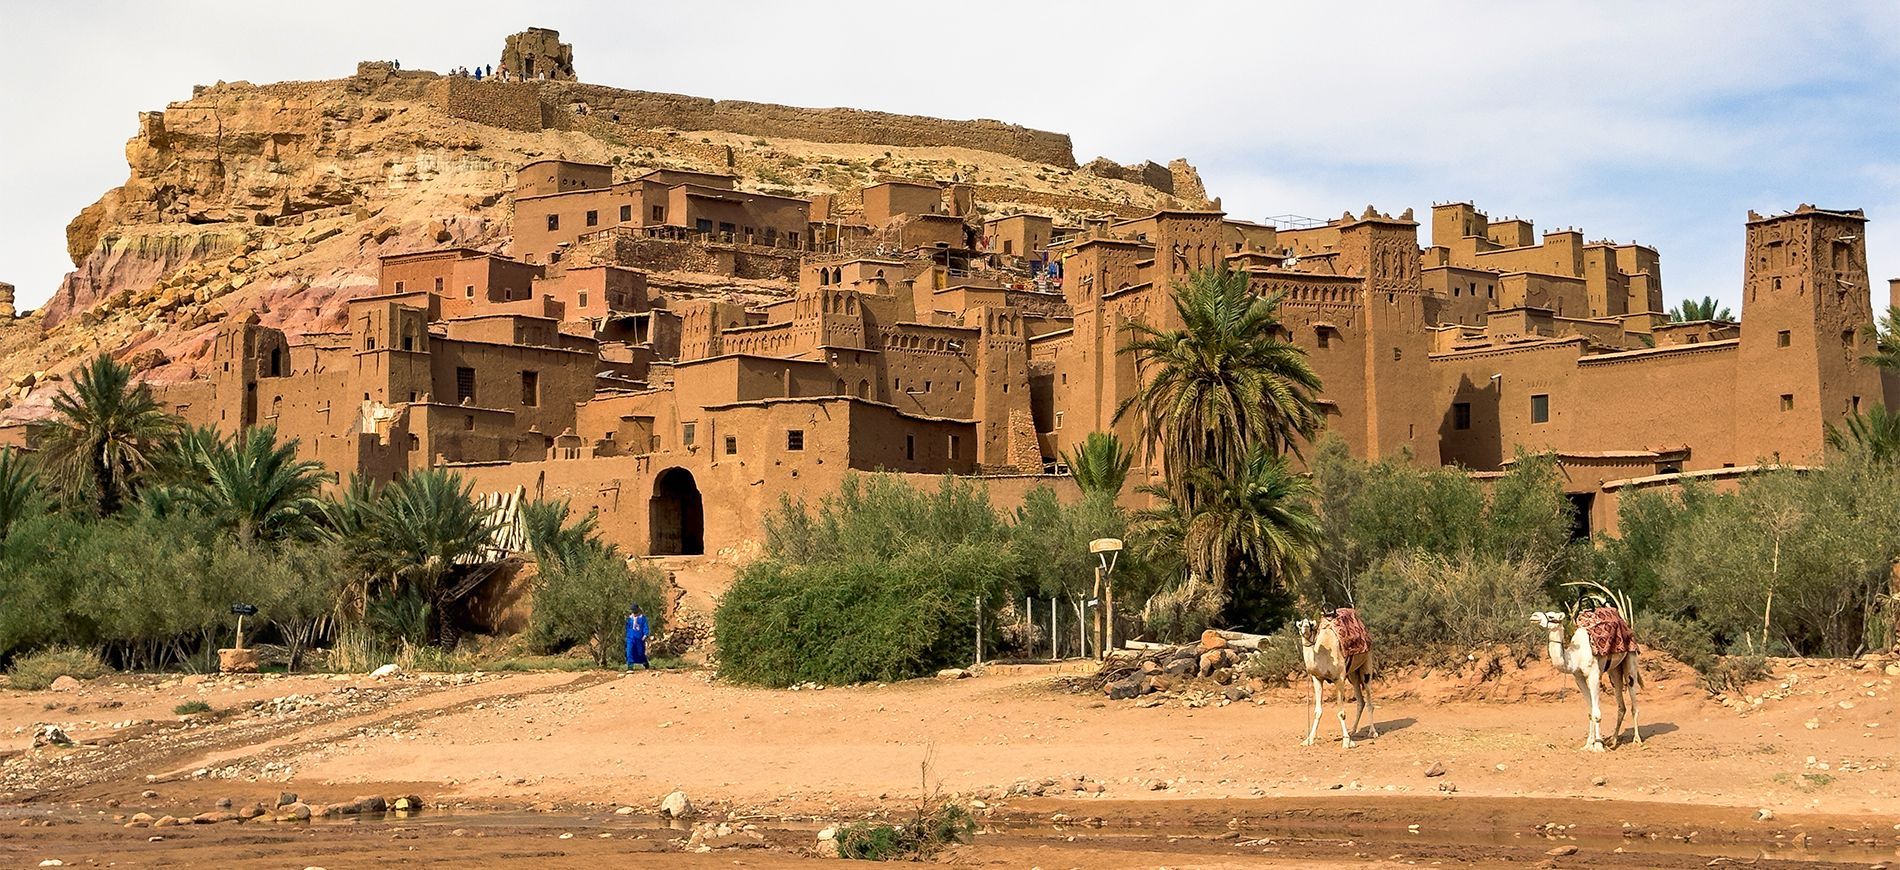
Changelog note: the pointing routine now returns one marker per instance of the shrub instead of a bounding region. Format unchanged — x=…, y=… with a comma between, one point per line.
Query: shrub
x=1419, y=606
x=583, y=601
x=190, y=707
x=921, y=836
x=1278, y=656
x=39, y=670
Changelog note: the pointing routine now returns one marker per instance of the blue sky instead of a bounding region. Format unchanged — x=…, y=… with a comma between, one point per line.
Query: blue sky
x=1660, y=123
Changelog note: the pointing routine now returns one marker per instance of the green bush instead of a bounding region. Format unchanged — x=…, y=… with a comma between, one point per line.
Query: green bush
x=583, y=602
x=912, y=839
x=1427, y=607
x=39, y=670
x=191, y=707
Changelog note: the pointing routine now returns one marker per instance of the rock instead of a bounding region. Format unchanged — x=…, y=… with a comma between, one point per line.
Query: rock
x=65, y=683
x=828, y=843
x=1150, y=666
x=387, y=670
x=1561, y=851
x=251, y=811
x=142, y=820
x=1211, y=640
x=50, y=735
x=1600, y=781
x=286, y=798
x=407, y=804
x=213, y=817
x=1437, y=769
x=223, y=803
x=148, y=794
x=675, y=805
x=166, y=822
x=625, y=811
x=1122, y=690
x=708, y=836
x=953, y=674
x=1179, y=667
x=1237, y=693
x=297, y=812
x=52, y=862
x=1214, y=660
x=1892, y=670
x=371, y=804
x=1156, y=683
x=238, y=661
x=1764, y=815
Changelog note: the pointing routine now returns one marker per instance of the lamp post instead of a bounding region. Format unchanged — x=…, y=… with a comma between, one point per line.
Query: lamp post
x=1107, y=550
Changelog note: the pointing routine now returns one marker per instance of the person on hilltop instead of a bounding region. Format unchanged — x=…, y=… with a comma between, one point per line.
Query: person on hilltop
x=637, y=639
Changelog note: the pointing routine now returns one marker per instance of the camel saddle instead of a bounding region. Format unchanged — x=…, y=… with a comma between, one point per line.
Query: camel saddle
x=1353, y=639
x=1609, y=634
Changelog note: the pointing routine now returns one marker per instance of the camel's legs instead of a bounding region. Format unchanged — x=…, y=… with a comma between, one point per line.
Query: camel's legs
x=1596, y=713
x=1313, y=731
x=1339, y=705
x=1635, y=679
x=1583, y=688
x=1365, y=700
x=1616, y=688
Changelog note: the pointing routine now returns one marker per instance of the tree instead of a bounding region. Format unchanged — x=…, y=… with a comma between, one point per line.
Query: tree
x=1707, y=309
x=1255, y=521
x=1100, y=464
x=416, y=530
x=1885, y=334
x=1876, y=432
x=19, y=491
x=1221, y=383
x=103, y=435
x=258, y=487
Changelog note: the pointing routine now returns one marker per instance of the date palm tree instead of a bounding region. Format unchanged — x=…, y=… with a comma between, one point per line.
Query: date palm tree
x=1877, y=431
x=20, y=495
x=257, y=487
x=1706, y=309
x=104, y=434
x=1255, y=520
x=1885, y=335
x=1100, y=464
x=416, y=530
x=1221, y=383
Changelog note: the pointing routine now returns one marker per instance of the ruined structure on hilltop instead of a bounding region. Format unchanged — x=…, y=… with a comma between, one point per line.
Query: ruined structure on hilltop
x=679, y=346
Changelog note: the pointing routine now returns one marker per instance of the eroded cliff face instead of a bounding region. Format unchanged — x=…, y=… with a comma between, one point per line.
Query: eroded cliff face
x=280, y=198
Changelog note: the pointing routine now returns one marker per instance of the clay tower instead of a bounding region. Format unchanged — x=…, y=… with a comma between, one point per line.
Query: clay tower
x=538, y=53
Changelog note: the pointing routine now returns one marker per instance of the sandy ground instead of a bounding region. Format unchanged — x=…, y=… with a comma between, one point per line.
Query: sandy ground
x=511, y=762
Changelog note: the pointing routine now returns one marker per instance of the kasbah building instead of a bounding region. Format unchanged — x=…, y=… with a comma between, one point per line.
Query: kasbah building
x=914, y=335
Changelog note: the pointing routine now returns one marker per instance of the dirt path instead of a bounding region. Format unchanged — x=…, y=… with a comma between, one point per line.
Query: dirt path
x=1184, y=786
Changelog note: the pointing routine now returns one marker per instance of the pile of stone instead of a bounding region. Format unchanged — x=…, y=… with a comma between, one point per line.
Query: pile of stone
x=1163, y=668
x=288, y=808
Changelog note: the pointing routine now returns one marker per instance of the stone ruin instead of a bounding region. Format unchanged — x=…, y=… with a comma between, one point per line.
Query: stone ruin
x=6, y=300
x=538, y=53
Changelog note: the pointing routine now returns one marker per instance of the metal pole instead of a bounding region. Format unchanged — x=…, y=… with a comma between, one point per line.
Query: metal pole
x=979, y=629
x=1052, y=628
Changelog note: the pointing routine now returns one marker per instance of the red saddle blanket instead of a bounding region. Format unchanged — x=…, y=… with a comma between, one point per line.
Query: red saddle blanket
x=1353, y=639
x=1609, y=634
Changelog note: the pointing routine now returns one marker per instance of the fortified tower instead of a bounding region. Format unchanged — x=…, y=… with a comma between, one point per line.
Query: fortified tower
x=1805, y=300
x=538, y=53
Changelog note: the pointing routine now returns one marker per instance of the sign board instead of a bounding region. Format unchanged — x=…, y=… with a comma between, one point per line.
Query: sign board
x=1105, y=545
x=244, y=609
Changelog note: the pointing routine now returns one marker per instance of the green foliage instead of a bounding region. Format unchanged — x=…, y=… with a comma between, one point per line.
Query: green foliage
x=1253, y=527
x=39, y=670
x=1885, y=335
x=20, y=496
x=1100, y=464
x=583, y=600
x=104, y=434
x=191, y=707
x=916, y=838
x=1221, y=384
x=1706, y=309
x=257, y=487
x=1875, y=433
x=1429, y=606
x=1049, y=545
x=413, y=533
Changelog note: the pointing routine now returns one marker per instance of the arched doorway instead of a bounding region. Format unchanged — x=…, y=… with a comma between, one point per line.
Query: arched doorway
x=676, y=521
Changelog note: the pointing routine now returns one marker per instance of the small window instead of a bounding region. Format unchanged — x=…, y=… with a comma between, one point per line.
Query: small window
x=926, y=386
x=464, y=384
x=1847, y=338
x=593, y=217
x=469, y=291
x=1058, y=419
x=554, y=222
x=955, y=447
x=530, y=388
x=659, y=214
x=1461, y=415
x=414, y=442
x=1397, y=354
x=1784, y=338
x=398, y=286
x=1853, y=405
x=1787, y=401
x=438, y=285
x=687, y=430
x=583, y=299
x=702, y=225
x=732, y=445
x=910, y=447
x=794, y=439
x=468, y=422
x=626, y=214
x=727, y=229
x=1540, y=408
x=408, y=342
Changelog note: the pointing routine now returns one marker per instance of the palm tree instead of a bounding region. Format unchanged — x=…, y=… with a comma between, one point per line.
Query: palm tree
x=1221, y=383
x=104, y=435
x=1885, y=334
x=1100, y=464
x=1257, y=519
x=1707, y=309
x=556, y=542
x=418, y=529
x=19, y=491
x=258, y=487
x=1877, y=432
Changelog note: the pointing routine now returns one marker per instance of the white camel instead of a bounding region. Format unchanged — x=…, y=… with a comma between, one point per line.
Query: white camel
x=1577, y=659
x=1320, y=649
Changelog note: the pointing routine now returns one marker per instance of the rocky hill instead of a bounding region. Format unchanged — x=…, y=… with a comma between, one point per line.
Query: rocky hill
x=280, y=198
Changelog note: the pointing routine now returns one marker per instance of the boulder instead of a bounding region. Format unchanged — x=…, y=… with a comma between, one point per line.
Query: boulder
x=297, y=812
x=1237, y=693
x=65, y=683
x=286, y=798
x=1437, y=769
x=387, y=670
x=1122, y=690
x=238, y=661
x=828, y=843
x=675, y=805
x=50, y=735
x=1215, y=659
x=1180, y=666
x=371, y=804
x=407, y=804
x=1211, y=640
x=953, y=674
